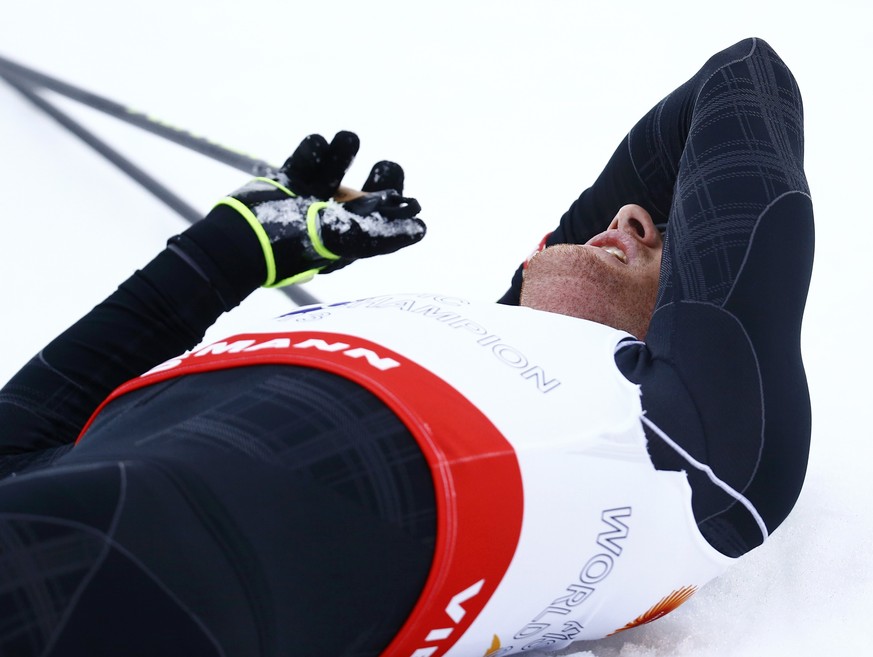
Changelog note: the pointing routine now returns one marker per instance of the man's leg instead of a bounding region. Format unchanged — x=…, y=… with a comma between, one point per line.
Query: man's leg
x=288, y=507
x=66, y=584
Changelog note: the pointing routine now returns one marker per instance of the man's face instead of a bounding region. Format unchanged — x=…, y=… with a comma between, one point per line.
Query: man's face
x=612, y=279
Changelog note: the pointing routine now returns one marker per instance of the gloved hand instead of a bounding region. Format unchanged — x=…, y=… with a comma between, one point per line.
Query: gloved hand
x=304, y=230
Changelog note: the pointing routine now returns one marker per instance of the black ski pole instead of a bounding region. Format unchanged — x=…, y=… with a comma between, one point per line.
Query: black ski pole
x=128, y=167
x=184, y=138
x=223, y=154
x=298, y=295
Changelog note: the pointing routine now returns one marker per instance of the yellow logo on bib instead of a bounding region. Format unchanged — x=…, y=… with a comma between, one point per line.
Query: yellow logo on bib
x=495, y=646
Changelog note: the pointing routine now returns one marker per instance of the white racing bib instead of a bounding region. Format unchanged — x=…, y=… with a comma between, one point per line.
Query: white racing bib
x=553, y=525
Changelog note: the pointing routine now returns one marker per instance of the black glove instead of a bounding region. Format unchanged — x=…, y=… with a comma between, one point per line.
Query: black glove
x=303, y=230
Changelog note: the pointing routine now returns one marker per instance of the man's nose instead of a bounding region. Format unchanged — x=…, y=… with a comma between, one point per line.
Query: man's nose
x=636, y=221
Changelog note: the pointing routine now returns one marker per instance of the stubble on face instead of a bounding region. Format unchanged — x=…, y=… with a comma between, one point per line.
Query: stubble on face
x=588, y=283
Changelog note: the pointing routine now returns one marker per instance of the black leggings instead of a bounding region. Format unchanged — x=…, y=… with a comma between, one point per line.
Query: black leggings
x=266, y=510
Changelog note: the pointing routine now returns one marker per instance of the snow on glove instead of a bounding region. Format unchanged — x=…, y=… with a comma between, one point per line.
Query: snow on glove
x=303, y=230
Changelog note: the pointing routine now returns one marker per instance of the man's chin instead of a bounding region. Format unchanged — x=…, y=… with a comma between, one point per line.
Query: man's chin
x=579, y=282
x=549, y=297
x=599, y=308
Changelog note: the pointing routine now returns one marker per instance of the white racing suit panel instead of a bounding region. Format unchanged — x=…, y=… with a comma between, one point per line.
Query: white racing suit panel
x=553, y=525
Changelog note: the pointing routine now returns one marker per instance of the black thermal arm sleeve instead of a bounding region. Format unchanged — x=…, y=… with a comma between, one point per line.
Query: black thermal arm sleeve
x=160, y=311
x=642, y=170
x=721, y=372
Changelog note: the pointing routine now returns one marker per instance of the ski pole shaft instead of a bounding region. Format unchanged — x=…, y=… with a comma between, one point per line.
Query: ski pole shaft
x=223, y=154
x=202, y=145
x=297, y=295
x=128, y=167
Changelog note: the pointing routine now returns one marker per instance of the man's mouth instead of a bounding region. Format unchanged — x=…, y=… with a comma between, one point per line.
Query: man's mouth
x=617, y=252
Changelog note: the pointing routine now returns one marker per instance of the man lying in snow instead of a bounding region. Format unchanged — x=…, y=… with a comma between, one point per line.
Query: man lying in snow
x=414, y=474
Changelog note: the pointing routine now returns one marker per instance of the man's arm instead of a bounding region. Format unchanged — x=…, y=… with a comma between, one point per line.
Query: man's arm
x=590, y=214
x=721, y=372
x=271, y=231
x=642, y=170
x=161, y=310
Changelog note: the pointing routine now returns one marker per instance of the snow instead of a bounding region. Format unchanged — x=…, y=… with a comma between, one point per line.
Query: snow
x=282, y=212
x=500, y=111
x=338, y=220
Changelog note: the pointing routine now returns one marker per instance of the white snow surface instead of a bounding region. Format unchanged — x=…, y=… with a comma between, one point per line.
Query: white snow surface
x=501, y=112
